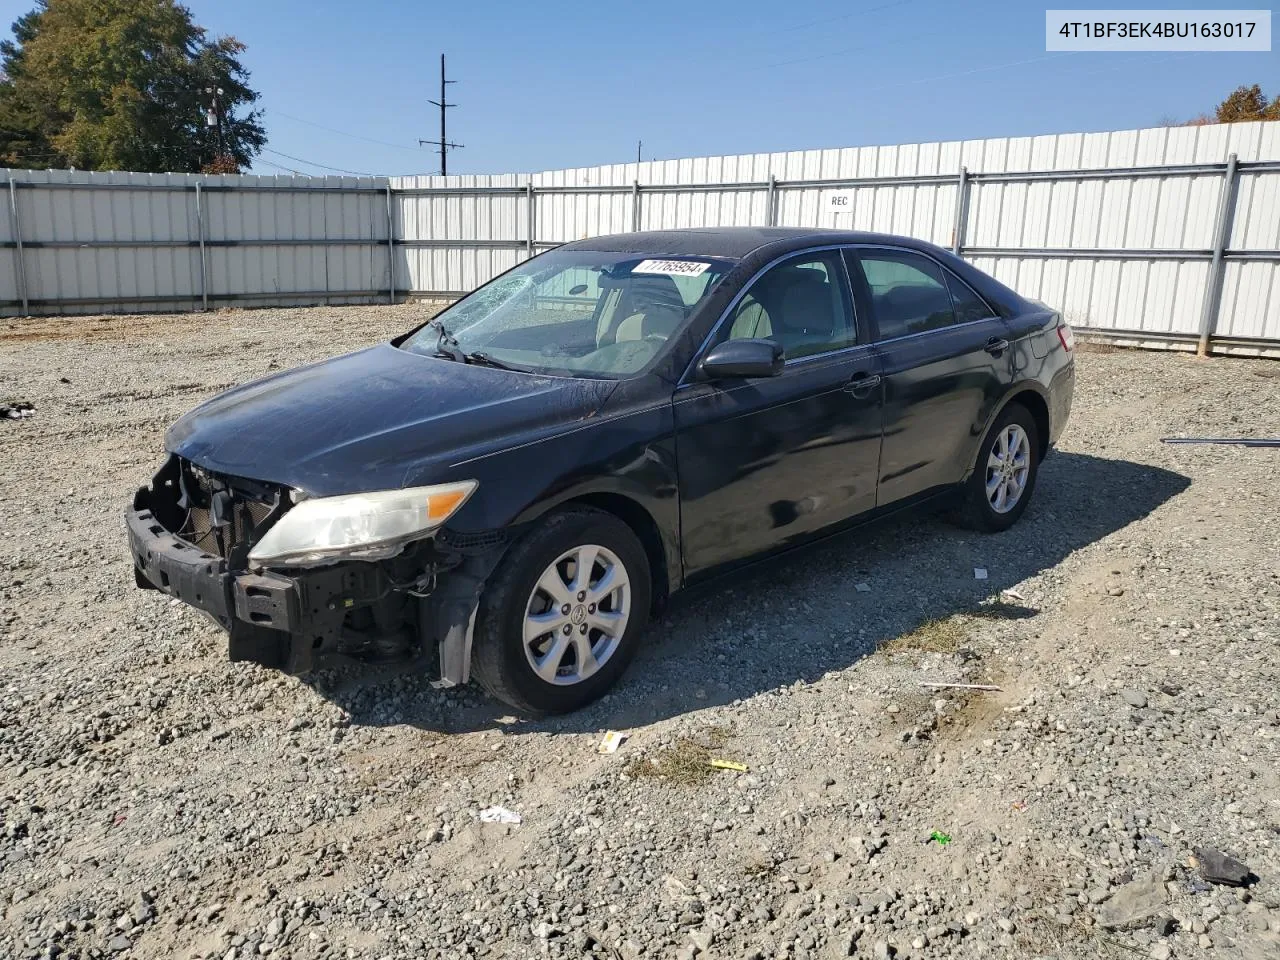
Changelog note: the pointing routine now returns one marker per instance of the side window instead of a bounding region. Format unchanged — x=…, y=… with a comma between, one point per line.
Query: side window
x=908, y=292
x=802, y=304
x=967, y=304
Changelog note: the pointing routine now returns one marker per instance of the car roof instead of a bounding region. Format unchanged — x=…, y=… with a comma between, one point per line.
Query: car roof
x=732, y=242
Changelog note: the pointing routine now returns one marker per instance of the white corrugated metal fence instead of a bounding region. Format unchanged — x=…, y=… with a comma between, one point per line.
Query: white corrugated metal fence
x=1163, y=234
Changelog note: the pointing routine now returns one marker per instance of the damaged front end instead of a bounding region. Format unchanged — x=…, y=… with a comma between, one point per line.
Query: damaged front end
x=191, y=534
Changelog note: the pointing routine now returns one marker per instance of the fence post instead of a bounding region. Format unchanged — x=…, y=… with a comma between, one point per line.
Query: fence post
x=635, y=205
x=962, y=209
x=1217, y=267
x=391, y=250
x=204, y=263
x=20, y=273
x=771, y=203
x=532, y=224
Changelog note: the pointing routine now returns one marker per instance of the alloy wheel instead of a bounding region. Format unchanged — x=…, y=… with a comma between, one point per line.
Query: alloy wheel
x=576, y=615
x=1008, y=467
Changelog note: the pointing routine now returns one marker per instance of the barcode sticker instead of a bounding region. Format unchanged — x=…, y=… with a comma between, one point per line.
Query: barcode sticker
x=675, y=268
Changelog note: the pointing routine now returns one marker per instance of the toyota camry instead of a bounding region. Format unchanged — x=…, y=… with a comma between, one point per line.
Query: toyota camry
x=511, y=490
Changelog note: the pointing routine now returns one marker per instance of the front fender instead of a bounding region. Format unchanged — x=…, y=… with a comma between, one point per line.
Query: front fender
x=631, y=456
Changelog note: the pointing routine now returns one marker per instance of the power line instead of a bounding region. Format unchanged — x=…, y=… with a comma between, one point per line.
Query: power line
x=312, y=163
x=962, y=73
x=1002, y=66
x=844, y=16
x=869, y=46
x=343, y=133
x=298, y=173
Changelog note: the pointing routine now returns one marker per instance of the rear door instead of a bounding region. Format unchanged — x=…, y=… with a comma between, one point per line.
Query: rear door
x=946, y=362
x=769, y=461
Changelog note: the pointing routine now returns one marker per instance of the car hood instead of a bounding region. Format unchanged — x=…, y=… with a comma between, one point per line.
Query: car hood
x=380, y=418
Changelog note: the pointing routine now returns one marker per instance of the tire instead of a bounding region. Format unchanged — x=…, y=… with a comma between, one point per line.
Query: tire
x=982, y=510
x=517, y=601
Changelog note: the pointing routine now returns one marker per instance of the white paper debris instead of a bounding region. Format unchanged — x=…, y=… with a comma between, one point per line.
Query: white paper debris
x=611, y=742
x=979, y=573
x=499, y=815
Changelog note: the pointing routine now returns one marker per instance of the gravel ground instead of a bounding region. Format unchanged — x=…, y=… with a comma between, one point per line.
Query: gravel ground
x=158, y=801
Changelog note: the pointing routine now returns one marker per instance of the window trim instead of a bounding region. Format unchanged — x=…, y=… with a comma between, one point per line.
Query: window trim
x=690, y=373
x=947, y=273
x=950, y=275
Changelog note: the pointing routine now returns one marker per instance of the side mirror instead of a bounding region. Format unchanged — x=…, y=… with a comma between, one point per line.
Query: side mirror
x=743, y=358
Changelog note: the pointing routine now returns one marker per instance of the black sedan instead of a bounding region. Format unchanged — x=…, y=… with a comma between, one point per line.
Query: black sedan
x=511, y=490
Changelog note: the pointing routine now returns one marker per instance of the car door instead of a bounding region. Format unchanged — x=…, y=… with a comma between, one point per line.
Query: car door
x=945, y=362
x=768, y=461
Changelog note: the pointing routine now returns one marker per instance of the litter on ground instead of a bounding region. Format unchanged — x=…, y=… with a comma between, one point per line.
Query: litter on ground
x=611, y=742
x=499, y=815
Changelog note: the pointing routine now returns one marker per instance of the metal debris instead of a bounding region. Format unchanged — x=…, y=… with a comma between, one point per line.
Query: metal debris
x=1231, y=441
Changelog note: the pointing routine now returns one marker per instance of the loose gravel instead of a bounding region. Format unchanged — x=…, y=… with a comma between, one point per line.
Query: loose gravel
x=158, y=801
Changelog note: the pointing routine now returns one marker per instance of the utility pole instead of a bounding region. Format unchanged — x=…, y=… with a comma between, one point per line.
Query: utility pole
x=443, y=143
x=213, y=116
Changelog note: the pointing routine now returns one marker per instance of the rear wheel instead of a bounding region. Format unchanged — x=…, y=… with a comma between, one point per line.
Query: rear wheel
x=1000, y=488
x=563, y=614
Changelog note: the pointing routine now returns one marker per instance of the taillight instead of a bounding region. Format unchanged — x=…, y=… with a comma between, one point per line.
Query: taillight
x=1067, y=336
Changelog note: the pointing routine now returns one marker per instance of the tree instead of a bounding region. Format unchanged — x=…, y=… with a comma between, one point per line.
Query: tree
x=124, y=85
x=1247, y=103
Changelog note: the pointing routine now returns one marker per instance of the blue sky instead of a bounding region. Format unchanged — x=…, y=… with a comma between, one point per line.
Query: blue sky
x=557, y=84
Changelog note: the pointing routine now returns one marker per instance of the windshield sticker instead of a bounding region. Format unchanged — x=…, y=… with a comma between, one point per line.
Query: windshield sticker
x=675, y=268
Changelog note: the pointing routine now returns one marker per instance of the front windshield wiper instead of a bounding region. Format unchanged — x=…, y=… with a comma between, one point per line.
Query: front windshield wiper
x=484, y=360
x=447, y=347
x=447, y=344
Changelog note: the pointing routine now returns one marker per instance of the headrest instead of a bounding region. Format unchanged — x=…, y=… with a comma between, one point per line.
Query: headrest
x=806, y=305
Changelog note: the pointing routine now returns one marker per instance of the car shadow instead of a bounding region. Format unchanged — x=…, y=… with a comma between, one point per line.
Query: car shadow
x=800, y=616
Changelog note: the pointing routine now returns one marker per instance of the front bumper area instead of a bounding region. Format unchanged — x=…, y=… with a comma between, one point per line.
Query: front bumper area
x=419, y=605
x=262, y=613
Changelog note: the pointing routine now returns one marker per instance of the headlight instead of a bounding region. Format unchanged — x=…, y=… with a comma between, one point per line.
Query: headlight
x=359, y=525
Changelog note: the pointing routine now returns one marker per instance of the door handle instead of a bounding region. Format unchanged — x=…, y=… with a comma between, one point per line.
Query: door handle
x=862, y=384
x=996, y=346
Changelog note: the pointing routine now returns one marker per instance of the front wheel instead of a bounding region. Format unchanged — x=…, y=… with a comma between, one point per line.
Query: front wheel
x=563, y=614
x=1002, y=482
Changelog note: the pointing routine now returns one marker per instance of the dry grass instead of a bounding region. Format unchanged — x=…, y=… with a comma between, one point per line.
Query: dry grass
x=687, y=763
x=1085, y=345
x=943, y=635
x=948, y=634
